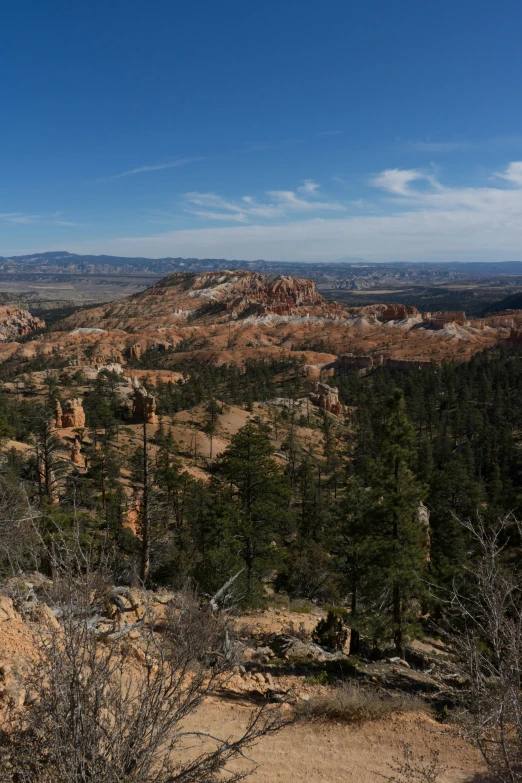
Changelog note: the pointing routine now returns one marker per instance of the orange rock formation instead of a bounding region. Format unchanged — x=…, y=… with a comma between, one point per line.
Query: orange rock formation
x=72, y=414
x=326, y=397
x=15, y=322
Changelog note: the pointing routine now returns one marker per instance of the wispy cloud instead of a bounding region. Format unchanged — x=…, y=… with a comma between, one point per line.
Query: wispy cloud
x=261, y=147
x=279, y=204
x=309, y=187
x=271, y=145
x=154, y=167
x=331, y=133
x=18, y=217
x=23, y=219
x=463, y=145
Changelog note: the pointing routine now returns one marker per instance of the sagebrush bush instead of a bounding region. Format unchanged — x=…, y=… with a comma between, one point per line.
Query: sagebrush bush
x=350, y=704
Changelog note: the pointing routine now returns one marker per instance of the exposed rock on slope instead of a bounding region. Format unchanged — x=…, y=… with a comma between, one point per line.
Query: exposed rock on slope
x=213, y=296
x=230, y=317
x=15, y=322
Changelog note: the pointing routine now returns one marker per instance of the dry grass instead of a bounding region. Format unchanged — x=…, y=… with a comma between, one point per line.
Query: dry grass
x=350, y=704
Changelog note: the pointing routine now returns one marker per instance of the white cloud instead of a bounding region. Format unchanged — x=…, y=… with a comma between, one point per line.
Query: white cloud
x=512, y=173
x=309, y=187
x=397, y=181
x=23, y=219
x=281, y=204
x=410, y=214
x=238, y=217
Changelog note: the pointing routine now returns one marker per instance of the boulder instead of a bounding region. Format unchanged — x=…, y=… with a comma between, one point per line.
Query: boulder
x=7, y=611
x=286, y=646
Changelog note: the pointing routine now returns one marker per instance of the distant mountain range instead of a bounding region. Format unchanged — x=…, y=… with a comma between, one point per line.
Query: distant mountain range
x=63, y=262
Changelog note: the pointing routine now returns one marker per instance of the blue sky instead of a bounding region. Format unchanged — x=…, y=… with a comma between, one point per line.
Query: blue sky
x=278, y=130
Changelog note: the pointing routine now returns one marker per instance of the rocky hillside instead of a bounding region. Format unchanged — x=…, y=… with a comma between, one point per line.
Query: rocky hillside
x=204, y=298
x=15, y=323
x=229, y=317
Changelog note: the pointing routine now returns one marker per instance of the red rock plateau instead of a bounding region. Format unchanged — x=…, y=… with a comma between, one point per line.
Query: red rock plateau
x=227, y=317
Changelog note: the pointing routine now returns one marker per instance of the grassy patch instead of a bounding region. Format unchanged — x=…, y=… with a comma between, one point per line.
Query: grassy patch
x=305, y=608
x=349, y=704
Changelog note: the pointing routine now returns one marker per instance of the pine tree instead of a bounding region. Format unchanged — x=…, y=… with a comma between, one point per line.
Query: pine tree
x=141, y=468
x=398, y=534
x=355, y=554
x=50, y=467
x=104, y=466
x=212, y=421
x=259, y=493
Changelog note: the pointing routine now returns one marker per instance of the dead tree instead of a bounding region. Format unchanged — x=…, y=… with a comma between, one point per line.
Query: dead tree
x=145, y=513
x=484, y=627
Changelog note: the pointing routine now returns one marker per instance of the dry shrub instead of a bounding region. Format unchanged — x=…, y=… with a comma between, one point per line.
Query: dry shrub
x=102, y=708
x=350, y=704
x=414, y=768
x=484, y=627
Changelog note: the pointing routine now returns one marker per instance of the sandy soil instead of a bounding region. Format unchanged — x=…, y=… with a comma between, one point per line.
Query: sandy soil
x=312, y=752
x=337, y=753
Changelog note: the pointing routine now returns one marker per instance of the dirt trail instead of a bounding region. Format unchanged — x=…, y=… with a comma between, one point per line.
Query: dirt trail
x=338, y=753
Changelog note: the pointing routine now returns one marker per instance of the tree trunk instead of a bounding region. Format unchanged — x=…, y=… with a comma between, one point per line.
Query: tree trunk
x=145, y=529
x=355, y=637
x=397, y=621
x=249, y=560
x=103, y=490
